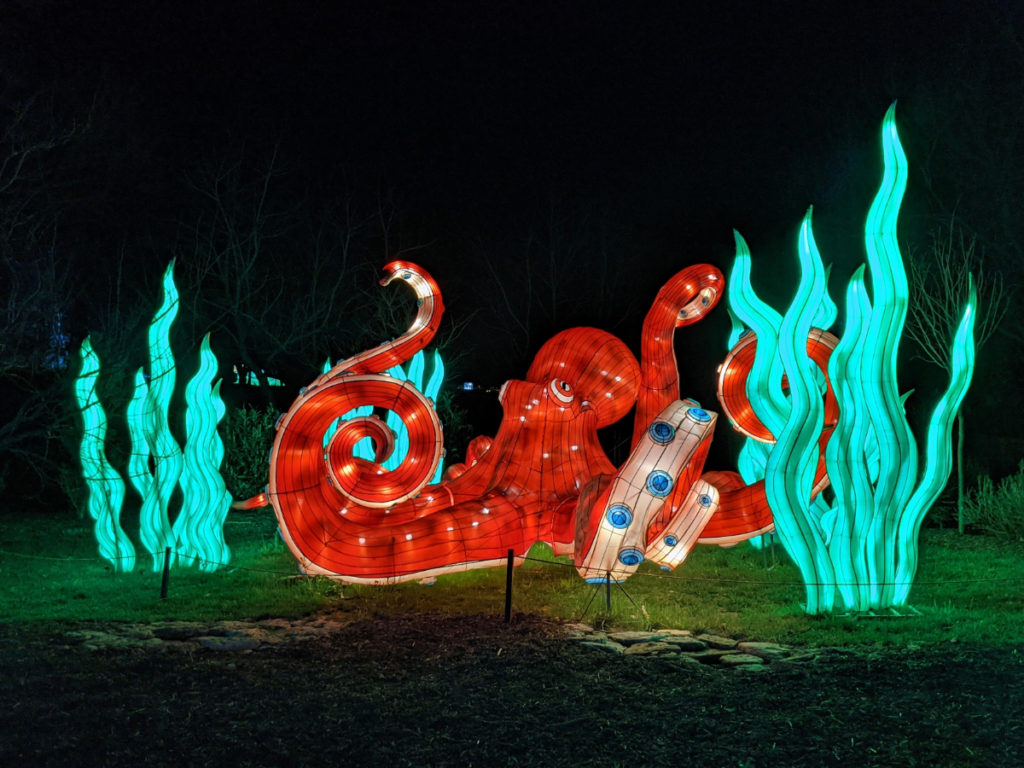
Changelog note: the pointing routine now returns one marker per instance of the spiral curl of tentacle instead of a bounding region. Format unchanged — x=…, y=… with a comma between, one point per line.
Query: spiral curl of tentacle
x=306, y=472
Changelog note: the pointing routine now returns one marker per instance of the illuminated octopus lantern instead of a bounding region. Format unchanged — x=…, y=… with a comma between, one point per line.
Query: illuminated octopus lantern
x=543, y=477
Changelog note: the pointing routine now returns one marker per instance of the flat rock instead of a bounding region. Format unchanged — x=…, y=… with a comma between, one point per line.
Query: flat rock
x=633, y=637
x=711, y=655
x=648, y=649
x=604, y=645
x=685, y=643
x=739, y=659
x=89, y=636
x=717, y=641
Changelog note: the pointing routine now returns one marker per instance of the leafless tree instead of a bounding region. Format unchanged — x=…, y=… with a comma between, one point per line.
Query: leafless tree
x=940, y=283
x=282, y=283
x=35, y=292
x=270, y=278
x=564, y=268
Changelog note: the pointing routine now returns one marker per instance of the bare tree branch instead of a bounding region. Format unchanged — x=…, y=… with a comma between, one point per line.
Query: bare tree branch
x=940, y=282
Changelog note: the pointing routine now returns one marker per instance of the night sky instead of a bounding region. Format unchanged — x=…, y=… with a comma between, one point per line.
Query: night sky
x=682, y=119
x=663, y=125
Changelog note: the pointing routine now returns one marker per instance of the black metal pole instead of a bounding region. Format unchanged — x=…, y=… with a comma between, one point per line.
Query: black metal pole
x=508, y=586
x=167, y=574
x=608, y=591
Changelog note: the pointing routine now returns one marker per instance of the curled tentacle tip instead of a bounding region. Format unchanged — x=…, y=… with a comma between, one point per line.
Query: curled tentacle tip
x=392, y=270
x=403, y=270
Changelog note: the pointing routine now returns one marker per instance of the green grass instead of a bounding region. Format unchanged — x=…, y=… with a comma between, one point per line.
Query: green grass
x=969, y=589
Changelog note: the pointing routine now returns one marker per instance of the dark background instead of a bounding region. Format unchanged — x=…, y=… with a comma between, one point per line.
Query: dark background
x=550, y=166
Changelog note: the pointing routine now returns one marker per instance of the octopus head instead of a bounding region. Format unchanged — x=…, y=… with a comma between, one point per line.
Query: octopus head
x=588, y=368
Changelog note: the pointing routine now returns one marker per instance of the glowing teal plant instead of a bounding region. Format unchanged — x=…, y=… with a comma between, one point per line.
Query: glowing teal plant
x=198, y=530
x=862, y=545
x=105, y=486
x=414, y=374
x=155, y=526
x=157, y=465
x=138, y=462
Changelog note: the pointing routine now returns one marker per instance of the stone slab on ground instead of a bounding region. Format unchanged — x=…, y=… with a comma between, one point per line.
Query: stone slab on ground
x=717, y=641
x=653, y=648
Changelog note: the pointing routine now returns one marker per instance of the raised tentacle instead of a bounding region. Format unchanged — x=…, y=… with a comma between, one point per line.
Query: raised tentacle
x=420, y=332
x=686, y=298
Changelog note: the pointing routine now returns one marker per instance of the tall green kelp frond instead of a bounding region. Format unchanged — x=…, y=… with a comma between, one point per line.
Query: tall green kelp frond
x=155, y=529
x=199, y=529
x=938, y=456
x=105, y=486
x=764, y=385
x=789, y=475
x=890, y=295
x=139, y=472
x=846, y=456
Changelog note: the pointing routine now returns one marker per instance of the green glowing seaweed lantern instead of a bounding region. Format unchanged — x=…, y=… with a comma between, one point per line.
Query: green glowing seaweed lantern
x=199, y=528
x=104, y=484
x=863, y=546
x=155, y=527
x=138, y=463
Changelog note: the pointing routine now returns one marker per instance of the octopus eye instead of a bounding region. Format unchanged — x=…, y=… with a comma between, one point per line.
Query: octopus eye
x=562, y=390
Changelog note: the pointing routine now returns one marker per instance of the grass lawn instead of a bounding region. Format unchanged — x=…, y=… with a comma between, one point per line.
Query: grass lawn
x=968, y=588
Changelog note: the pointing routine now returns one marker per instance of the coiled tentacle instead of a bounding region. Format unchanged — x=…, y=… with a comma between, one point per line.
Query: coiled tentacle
x=318, y=491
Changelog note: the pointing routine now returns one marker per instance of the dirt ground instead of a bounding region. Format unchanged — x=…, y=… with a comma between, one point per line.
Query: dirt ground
x=473, y=691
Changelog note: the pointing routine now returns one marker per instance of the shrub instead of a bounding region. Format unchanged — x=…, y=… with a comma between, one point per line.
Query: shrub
x=248, y=435
x=998, y=510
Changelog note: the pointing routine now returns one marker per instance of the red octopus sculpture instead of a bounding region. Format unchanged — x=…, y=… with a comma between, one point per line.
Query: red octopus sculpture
x=543, y=477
